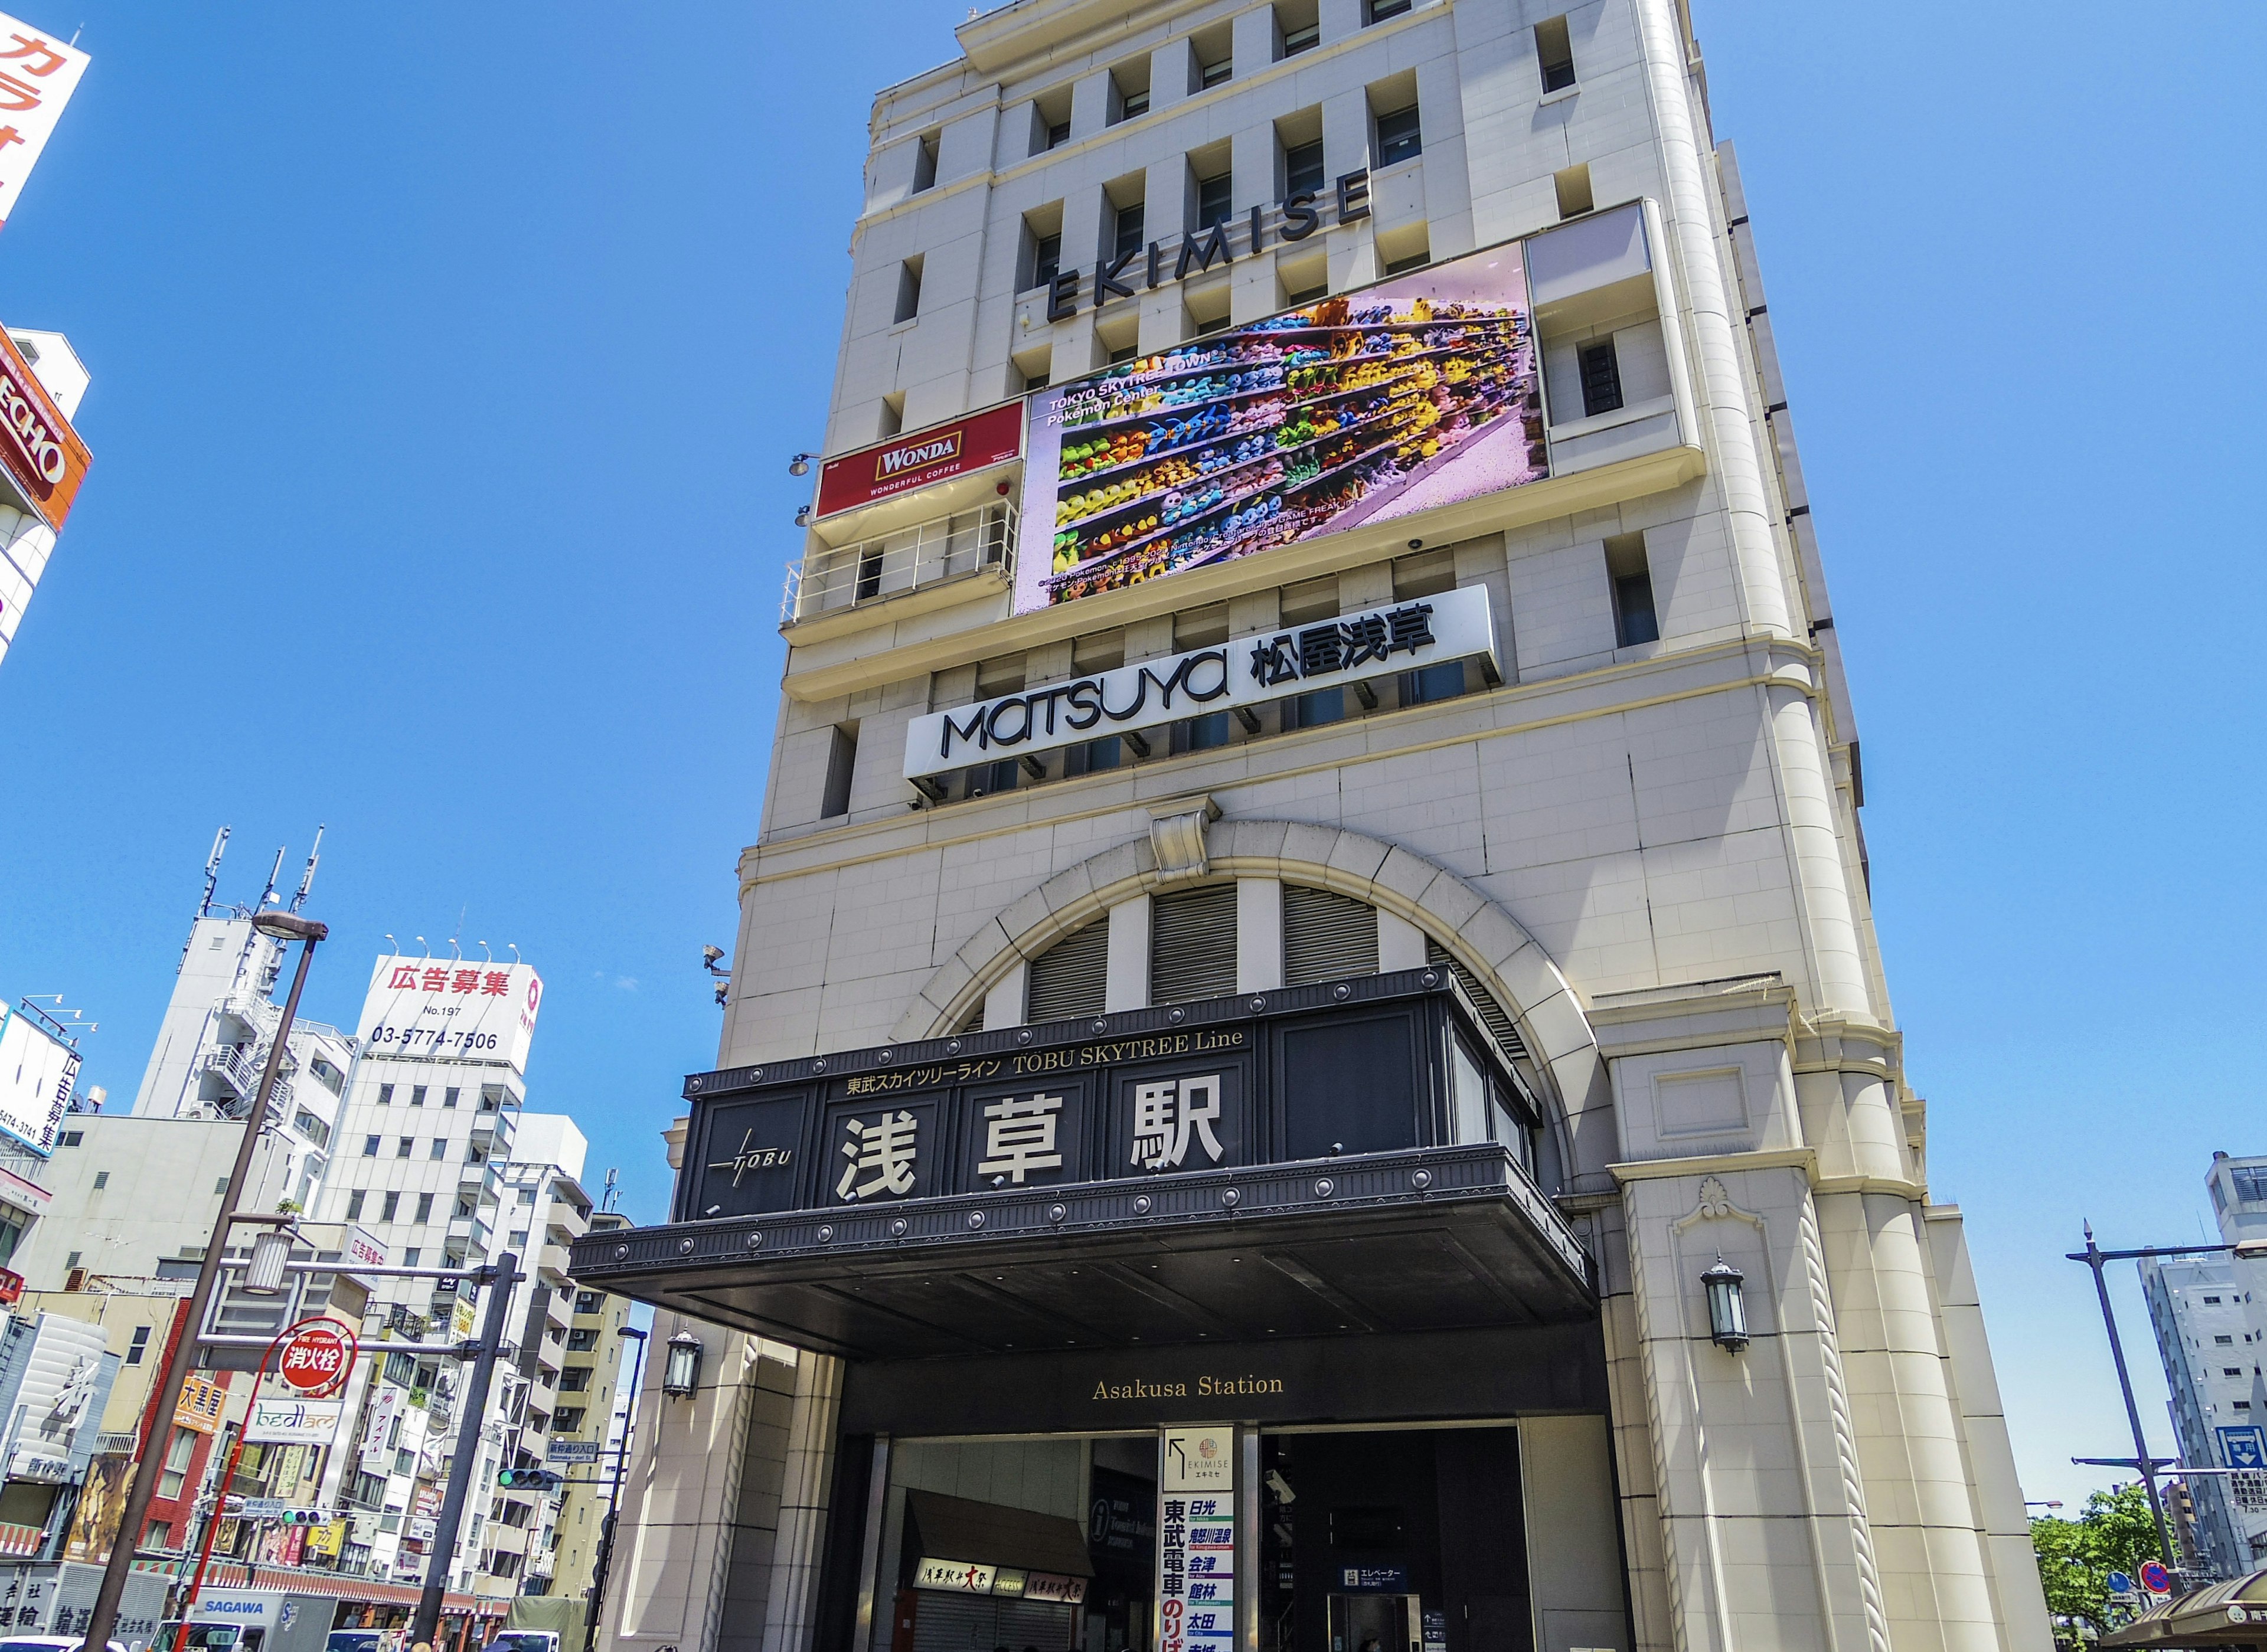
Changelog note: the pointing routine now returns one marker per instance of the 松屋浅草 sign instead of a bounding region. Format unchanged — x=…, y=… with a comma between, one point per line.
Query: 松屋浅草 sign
x=1272, y=665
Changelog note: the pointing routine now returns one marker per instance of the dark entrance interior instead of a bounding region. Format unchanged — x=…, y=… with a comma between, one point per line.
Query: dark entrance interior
x=1411, y=1537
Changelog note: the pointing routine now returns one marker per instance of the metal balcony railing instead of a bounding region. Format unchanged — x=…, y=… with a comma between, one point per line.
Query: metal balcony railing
x=831, y=578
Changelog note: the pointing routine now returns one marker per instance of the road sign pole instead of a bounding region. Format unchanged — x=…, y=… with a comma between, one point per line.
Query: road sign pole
x=500, y=1278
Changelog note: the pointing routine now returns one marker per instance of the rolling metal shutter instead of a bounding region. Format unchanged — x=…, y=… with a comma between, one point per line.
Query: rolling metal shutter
x=1071, y=977
x=1505, y=1031
x=975, y=1623
x=1326, y=936
x=1193, y=944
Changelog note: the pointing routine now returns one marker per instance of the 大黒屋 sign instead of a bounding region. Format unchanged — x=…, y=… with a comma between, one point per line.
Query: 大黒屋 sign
x=904, y=462
x=1351, y=649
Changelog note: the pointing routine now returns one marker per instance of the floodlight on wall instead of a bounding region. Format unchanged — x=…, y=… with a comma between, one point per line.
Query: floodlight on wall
x=680, y=1374
x=263, y=1275
x=800, y=465
x=1727, y=1311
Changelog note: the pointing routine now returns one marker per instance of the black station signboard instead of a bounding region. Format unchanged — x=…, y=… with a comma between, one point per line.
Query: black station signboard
x=1229, y=1083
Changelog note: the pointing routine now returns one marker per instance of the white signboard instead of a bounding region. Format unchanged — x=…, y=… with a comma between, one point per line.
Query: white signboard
x=385, y=1405
x=37, y=1072
x=450, y=1009
x=38, y=74
x=1196, y=1541
x=959, y=1577
x=284, y=1421
x=1272, y=665
x=572, y=1451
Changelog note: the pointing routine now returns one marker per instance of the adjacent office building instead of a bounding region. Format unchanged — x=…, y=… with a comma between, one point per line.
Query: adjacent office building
x=1307, y=1063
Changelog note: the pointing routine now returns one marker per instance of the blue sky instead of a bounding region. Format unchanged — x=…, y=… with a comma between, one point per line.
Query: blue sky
x=446, y=364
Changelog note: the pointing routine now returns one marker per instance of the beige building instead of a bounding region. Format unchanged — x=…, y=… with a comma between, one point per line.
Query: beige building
x=1307, y=1060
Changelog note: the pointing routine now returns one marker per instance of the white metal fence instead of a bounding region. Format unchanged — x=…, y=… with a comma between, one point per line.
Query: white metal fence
x=835, y=577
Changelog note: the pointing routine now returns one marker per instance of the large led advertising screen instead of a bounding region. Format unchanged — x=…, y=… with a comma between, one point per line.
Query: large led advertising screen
x=1399, y=398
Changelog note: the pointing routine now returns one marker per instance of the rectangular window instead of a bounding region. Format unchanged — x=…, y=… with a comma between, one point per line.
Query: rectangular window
x=1126, y=233
x=1554, y=54
x=1298, y=27
x=2223, y=1341
x=386, y=1095
x=588, y=1301
x=2212, y=1301
x=1417, y=257
x=1193, y=944
x=72, y=1139
x=1216, y=201
x=369, y=1147
x=1572, y=185
x=386, y=1211
x=1207, y=733
x=1601, y=378
x=2231, y=1370
x=1214, y=74
x=179, y=1451
x=1312, y=711
x=417, y=1095
x=440, y=1147
x=1433, y=683
x=139, y=1346
x=1129, y=89
x=909, y=284
x=925, y=162
x=413, y=1256
x=2250, y=1184
x=1136, y=104
x=1058, y=133
x=355, y=1203
x=1046, y=259
x=1398, y=137
x=449, y=1096
x=841, y=760
x=102, y=1179
x=1303, y=168
x=1378, y=10
x=1626, y=566
x=159, y=1534
x=403, y=1145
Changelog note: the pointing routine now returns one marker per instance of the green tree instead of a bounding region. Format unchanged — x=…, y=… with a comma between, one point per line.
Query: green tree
x=2114, y=1534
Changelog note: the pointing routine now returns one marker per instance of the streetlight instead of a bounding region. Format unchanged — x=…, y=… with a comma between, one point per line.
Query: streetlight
x=103, y=1618
x=1728, y=1310
x=681, y=1376
x=614, y=1499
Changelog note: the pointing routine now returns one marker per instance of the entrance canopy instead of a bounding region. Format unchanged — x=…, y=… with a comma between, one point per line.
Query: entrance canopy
x=1351, y=1157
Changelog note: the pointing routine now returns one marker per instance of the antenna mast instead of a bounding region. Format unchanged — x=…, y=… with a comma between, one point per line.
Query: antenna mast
x=212, y=871
x=307, y=879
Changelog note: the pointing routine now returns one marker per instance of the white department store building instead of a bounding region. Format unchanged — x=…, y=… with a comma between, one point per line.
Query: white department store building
x=1310, y=889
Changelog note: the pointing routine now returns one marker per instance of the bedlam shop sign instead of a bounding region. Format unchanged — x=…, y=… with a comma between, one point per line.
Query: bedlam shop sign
x=904, y=462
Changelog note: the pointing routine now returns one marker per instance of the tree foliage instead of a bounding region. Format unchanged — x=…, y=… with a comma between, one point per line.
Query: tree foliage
x=2114, y=1534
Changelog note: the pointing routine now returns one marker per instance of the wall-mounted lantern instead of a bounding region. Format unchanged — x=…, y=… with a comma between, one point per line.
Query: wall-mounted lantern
x=1727, y=1311
x=680, y=1374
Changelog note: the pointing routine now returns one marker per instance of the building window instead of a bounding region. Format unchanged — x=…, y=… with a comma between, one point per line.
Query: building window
x=1417, y=258
x=1433, y=683
x=386, y=1095
x=369, y=1147
x=909, y=285
x=582, y=1340
x=101, y=1179
x=2223, y=1341
x=1046, y=259
x=1554, y=54
x=1193, y=944
x=1634, y=620
x=841, y=761
x=139, y=1346
x=440, y=1147
x=355, y=1203
x=417, y=1095
x=1326, y=936
x=1129, y=87
x=450, y=1095
x=1312, y=711
x=1378, y=10
x=588, y=1301
x=1303, y=168
x=404, y=1146
x=179, y=1451
x=72, y=1138
x=1215, y=200
x=1298, y=27
x=575, y=1379
x=159, y=1534
x=386, y=1211
x=1601, y=378
x=1213, y=74
x=925, y=162
x=1398, y=137
x=2231, y=1370
x=2250, y=1184
x=424, y=1207
x=1071, y=978
x=2211, y=1301
x=1126, y=232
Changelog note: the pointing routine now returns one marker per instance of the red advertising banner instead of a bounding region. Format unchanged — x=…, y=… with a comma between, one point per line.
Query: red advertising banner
x=42, y=452
x=934, y=455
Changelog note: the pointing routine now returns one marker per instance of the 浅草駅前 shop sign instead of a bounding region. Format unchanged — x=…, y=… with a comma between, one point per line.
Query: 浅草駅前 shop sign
x=1273, y=665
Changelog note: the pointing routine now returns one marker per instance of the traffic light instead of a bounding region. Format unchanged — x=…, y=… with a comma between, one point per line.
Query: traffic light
x=529, y=1478
x=305, y=1518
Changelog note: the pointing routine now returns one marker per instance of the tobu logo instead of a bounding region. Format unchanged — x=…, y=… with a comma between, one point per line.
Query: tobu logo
x=914, y=456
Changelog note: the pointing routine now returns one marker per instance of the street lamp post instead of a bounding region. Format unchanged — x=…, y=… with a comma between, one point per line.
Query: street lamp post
x=500, y=1276
x=614, y=1499
x=104, y=1616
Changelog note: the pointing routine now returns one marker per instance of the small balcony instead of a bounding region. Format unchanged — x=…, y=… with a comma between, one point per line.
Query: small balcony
x=835, y=579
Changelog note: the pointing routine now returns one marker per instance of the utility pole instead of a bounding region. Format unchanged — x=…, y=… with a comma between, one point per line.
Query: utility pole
x=614, y=1498
x=500, y=1277
x=104, y=1617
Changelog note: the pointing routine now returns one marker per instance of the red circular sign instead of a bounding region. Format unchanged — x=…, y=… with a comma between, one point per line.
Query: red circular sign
x=318, y=1357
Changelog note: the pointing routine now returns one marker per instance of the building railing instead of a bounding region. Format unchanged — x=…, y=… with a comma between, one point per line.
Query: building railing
x=831, y=578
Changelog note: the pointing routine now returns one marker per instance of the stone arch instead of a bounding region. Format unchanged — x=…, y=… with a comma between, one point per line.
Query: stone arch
x=1477, y=930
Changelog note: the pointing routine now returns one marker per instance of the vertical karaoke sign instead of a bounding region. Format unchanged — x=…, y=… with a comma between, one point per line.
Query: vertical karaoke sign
x=1196, y=1541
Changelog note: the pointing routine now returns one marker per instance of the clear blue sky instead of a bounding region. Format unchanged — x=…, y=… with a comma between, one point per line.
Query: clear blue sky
x=445, y=366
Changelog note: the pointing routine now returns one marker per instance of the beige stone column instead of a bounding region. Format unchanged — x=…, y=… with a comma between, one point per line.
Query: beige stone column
x=805, y=1478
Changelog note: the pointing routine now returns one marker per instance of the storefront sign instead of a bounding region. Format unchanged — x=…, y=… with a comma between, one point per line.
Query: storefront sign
x=37, y=443
x=926, y=457
x=38, y=74
x=1370, y=406
x=1070, y=1591
x=203, y=1400
x=37, y=1072
x=1274, y=665
x=293, y=1422
x=959, y=1578
x=1196, y=1541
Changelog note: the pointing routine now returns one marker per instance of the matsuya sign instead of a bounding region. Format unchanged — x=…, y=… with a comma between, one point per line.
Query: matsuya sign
x=1273, y=665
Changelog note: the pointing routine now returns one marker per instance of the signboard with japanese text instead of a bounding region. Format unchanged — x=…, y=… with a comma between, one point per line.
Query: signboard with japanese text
x=450, y=1009
x=1242, y=1083
x=203, y=1399
x=920, y=458
x=39, y=71
x=386, y=1406
x=1421, y=392
x=1348, y=651
x=572, y=1451
x=1196, y=1541
x=37, y=1072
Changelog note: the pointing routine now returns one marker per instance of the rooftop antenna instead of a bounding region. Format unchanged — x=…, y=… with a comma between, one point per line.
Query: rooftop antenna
x=307, y=878
x=613, y=1191
x=455, y=950
x=212, y=871
x=268, y=894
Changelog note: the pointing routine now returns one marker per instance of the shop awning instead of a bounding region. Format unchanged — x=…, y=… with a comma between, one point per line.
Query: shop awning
x=2231, y=1614
x=1428, y=1239
x=991, y=1534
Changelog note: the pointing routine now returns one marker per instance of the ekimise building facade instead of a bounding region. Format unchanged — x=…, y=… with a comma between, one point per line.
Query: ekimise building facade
x=1307, y=1067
